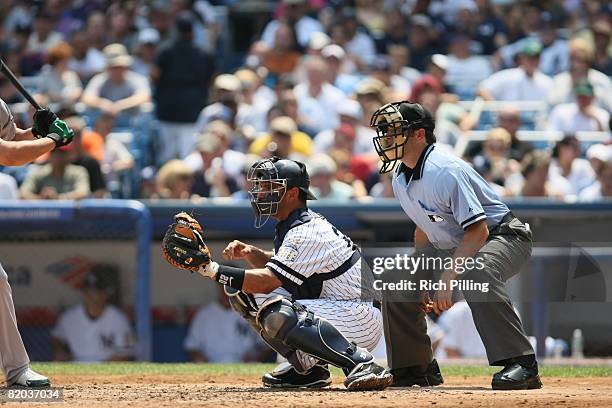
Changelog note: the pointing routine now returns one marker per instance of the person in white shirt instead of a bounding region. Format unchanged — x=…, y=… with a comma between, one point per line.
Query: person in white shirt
x=359, y=46
x=8, y=187
x=581, y=61
x=318, y=100
x=568, y=164
x=602, y=188
x=524, y=83
x=305, y=26
x=461, y=339
x=94, y=330
x=86, y=60
x=217, y=334
x=465, y=71
x=581, y=115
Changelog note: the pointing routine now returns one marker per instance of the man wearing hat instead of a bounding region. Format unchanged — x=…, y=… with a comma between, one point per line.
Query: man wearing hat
x=118, y=90
x=523, y=83
x=182, y=73
x=18, y=147
x=458, y=217
x=94, y=330
x=284, y=140
x=581, y=115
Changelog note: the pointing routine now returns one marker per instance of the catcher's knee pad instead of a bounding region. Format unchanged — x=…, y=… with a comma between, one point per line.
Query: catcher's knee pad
x=243, y=303
x=299, y=328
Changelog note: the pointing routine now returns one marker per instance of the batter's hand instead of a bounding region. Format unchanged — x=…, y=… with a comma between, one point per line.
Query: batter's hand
x=237, y=250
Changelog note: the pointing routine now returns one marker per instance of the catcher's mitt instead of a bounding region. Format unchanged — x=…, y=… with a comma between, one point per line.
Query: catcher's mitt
x=183, y=245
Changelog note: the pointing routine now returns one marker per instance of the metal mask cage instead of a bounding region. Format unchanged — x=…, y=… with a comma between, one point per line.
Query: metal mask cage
x=267, y=190
x=389, y=124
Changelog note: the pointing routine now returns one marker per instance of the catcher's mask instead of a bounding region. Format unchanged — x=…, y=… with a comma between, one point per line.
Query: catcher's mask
x=393, y=122
x=270, y=179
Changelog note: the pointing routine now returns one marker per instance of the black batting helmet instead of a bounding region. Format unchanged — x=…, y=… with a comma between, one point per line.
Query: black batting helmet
x=270, y=179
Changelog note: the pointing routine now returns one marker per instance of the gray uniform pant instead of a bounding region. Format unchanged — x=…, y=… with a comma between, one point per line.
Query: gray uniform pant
x=505, y=253
x=13, y=356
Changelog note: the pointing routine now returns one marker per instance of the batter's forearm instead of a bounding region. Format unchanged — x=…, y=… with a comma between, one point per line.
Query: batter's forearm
x=23, y=152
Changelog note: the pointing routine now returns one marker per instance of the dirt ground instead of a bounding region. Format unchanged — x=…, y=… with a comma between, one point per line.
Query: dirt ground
x=231, y=391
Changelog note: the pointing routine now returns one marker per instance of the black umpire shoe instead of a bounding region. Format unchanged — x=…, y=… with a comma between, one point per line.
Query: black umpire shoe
x=286, y=376
x=416, y=375
x=517, y=377
x=368, y=377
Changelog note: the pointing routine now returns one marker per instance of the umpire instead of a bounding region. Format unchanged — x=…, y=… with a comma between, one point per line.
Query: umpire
x=457, y=216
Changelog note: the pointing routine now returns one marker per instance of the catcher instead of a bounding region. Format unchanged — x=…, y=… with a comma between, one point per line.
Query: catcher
x=304, y=298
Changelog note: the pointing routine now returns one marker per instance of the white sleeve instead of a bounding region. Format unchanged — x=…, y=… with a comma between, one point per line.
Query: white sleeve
x=194, y=340
x=124, y=337
x=60, y=331
x=554, y=119
x=494, y=84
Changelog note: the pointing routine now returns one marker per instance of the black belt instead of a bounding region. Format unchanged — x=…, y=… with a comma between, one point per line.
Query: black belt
x=509, y=216
x=376, y=304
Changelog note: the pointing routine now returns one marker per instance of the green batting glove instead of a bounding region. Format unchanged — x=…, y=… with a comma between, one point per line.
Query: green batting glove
x=60, y=133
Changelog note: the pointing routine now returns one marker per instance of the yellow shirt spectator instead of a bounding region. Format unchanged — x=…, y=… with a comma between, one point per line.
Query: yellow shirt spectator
x=283, y=140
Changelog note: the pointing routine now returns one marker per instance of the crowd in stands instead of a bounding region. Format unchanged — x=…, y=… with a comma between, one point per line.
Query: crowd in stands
x=521, y=89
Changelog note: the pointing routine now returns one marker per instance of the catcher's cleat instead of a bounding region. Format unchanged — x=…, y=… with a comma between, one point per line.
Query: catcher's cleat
x=368, y=377
x=517, y=377
x=286, y=376
x=416, y=375
x=31, y=379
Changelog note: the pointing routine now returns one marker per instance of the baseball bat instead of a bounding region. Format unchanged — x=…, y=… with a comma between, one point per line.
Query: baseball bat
x=9, y=74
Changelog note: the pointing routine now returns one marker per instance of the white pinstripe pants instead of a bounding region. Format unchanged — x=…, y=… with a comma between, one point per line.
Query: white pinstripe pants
x=359, y=322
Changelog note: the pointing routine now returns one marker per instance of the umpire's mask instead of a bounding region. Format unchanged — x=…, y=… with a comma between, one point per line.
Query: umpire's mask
x=270, y=179
x=393, y=123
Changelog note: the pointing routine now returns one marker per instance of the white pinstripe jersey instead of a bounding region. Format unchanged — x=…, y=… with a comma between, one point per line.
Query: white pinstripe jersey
x=314, y=260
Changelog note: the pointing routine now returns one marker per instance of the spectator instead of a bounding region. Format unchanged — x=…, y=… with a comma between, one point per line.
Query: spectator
x=490, y=29
x=43, y=36
x=57, y=180
x=217, y=334
x=232, y=158
x=181, y=76
x=80, y=157
x=597, y=155
x=146, y=51
x=535, y=180
x=289, y=105
x=495, y=158
x=524, y=83
x=118, y=91
x=465, y=70
x=323, y=182
x=602, y=33
x=57, y=81
x=284, y=55
x=95, y=330
x=383, y=188
x=8, y=187
x=399, y=57
x=226, y=89
x=120, y=30
x=567, y=163
x=174, y=180
x=284, y=140
x=86, y=60
x=335, y=57
x=97, y=30
x=211, y=180
x=318, y=100
x=359, y=137
x=602, y=189
x=295, y=14
x=581, y=115
x=420, y=41
x=509, y=118
x=399, y=87
x=581, y=61
x=358, y=45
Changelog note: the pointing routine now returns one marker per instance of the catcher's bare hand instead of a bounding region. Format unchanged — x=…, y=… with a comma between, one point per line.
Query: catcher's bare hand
x=237, y=250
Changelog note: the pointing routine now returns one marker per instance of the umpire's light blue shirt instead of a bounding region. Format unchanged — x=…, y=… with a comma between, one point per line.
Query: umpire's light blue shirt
x=443, y=195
